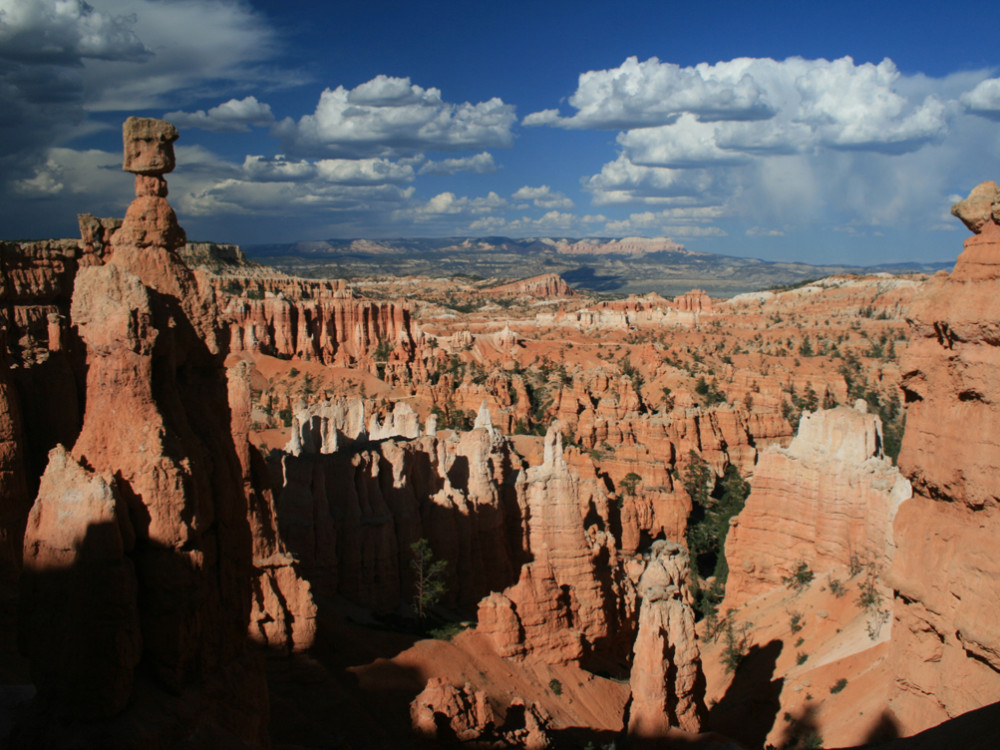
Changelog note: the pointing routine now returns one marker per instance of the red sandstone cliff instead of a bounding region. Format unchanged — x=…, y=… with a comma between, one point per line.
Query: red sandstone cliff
x=572, y=599
x=443, y=711
x=350, y=517
x=946, y=637
x=334, y=330
x=283, y=614
x=829, y=497
x=544, y=286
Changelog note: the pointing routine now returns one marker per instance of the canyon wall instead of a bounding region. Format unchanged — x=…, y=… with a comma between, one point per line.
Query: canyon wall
x=350, y=516
x=333, y=329
x=826, y=501
x=946, y=636
x=544, y=286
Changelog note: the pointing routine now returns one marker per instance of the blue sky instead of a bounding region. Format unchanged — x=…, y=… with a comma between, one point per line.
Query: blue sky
x=788, y=131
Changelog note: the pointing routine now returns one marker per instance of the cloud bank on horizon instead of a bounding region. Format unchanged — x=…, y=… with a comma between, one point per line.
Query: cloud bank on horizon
x=735, y=156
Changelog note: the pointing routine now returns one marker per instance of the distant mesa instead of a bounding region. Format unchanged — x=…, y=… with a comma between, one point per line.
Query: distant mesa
x=634, y=247
x=630, y=265
x=630, y=246
x=544, y=286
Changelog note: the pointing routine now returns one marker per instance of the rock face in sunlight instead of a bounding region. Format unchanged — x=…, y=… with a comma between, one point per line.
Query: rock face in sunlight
x=829, y=497
x=668, y=687
x=159, y=513
x=572, y=599
x=149, y=146
x=333, y=329
x=546, y=286
x=946, y=637
x=981, y=208
x=694, y=301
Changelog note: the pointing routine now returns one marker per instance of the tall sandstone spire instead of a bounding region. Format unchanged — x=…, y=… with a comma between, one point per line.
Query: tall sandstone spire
x=137, y=567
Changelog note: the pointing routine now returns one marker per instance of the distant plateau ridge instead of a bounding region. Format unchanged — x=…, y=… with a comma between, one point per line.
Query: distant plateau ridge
x=631, y=265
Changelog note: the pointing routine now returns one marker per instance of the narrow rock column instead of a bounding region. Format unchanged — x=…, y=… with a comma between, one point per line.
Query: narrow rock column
x=668, y=687
x=155, y=568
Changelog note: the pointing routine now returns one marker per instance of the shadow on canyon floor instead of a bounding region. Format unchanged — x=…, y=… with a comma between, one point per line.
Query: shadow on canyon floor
x=750, y=706
x=588, y=278
x=975, y=730
x=117, y=659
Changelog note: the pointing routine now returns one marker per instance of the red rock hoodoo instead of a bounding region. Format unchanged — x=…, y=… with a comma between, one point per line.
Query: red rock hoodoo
x=154, y=488
x=668, y=688
x=572, y=597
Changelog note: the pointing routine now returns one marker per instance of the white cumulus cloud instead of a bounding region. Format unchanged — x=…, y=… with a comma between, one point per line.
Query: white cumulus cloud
x=687, y=143
x=622, y=181
x=339, y=171
x=639, y=94
x=481, y=163
x=716, y=113
x=543, y=197
x=662, y=223
x=233, y=116
x=201, y=48
x=64, y=32
x=449, y=203
x=840, y=141
x=390, y=115
x=63, y=59
x=984, y=99
x=234, y=196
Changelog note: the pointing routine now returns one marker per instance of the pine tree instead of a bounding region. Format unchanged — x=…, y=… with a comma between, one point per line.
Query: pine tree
x=428, y=577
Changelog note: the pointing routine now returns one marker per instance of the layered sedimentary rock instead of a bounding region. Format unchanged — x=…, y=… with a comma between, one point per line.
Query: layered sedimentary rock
x=635, y=246
x=650, y=309
x=283, y=614
x=78, y=563
x=15, y=498
x=36, y=282
x=668, y=687
x=163, y=489
x=572, y=599
x=333, y=329
x=351, y=516
x=829, y=497
x=545, y=286
x=328, y=426
x=981, y=208
x=696, y=300
x=946, y=637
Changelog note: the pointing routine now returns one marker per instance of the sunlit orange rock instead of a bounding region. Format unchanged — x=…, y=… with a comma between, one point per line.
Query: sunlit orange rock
x=946, y=639
x=668, y=687
x=828, y=498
